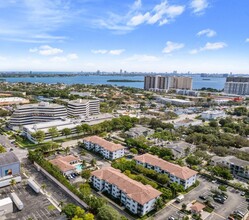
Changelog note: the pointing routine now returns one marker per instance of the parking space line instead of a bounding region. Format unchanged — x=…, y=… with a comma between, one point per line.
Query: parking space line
x=39, y=214
x=44, y=214
x=219, y=215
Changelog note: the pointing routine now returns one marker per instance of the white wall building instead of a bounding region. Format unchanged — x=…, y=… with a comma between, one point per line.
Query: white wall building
x=212, y=115
x=177, y=102
x=83, y=107
x=177, y=174
x=28, y=130
x=135, y=196
x=35, y=113
x=107, y=149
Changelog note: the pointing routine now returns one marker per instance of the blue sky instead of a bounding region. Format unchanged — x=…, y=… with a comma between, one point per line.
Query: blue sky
x=133, y=35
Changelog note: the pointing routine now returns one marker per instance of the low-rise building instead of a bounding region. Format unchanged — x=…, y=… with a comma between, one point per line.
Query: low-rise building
x=187, y=92
x=9, y=168
x=107, y=149
x=139, y=131
x=187, y=122
x=13, y=101
x=177, y=102
x=65, y=164
x=212, y=115
x=238, y=167
x=29, y=130
x=177, y=174
x=181, y=149
x=135, y=196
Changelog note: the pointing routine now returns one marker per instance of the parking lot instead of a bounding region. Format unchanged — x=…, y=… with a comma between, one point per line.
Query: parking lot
x=51, y=187
x=36, y=206
x=234, y=202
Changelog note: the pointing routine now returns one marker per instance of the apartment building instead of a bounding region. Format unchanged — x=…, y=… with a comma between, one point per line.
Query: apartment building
x=35, y=113
x=136, y=197
x=238, y=167
x=83, y=107
x=66, y=164
x=13, y=101
x=177, y=174
x=237, y=85
x=212, y=115
x=165, y=83
x=107, y=149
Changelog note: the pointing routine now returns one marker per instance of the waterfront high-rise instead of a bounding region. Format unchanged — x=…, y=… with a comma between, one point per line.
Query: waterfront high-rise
x=237, y=85
x=164, y=83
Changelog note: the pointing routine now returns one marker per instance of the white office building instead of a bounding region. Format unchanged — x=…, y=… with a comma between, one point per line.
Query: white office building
x=177, y=174
x=108, y=150
x=135, y=196
x=83, y=107
x=29, y=130
x=212, y=115
x=35, y=113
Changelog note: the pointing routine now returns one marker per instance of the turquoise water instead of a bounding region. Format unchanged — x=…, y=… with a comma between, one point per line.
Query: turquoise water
x=198, y=82
x=79, y=167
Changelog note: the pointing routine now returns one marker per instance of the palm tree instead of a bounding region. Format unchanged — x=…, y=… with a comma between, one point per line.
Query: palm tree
x=61, y=204
x=83, y=163
x=93, y=162
x=12, y=182
x=43, y=187
x=67, y=150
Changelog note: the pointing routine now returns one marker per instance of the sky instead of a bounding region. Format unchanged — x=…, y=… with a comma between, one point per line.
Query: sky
x=210, y=36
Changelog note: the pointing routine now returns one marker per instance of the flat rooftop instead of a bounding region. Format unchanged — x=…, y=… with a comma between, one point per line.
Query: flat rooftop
x=8, y=158
x=44, y=126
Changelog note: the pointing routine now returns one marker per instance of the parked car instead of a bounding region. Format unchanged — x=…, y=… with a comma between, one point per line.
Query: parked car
x=171, y=218
x=242, y=193
x=219, y=200
x=203, y=197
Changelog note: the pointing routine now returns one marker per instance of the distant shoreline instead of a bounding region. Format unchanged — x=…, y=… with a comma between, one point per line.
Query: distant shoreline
x=123, y=80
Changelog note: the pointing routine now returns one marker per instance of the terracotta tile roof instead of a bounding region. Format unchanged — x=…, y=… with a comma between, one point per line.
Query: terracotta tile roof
x=63, y=163
x=68, y=158
x=103, y=143
x=197, y=207
x=134, y=190
x=183, y=173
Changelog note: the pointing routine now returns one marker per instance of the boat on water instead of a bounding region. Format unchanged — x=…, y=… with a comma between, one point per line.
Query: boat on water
x=206, y=79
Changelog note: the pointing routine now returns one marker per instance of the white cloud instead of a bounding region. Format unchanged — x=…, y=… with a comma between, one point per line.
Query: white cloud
x=207, y=33
x=59, y=59
x=160, y=14
x=112, y=52
x=142, y=58
x=198, y=6
x=33, y=50
x=46, y=50
x=164, y=21
x=116, y=52
x=72, y=56
x=138, y=19
x=209, y=46
x=214, y=46
x=99, y=51
x=247, y=40
x=194, y=51
x=172, y=46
